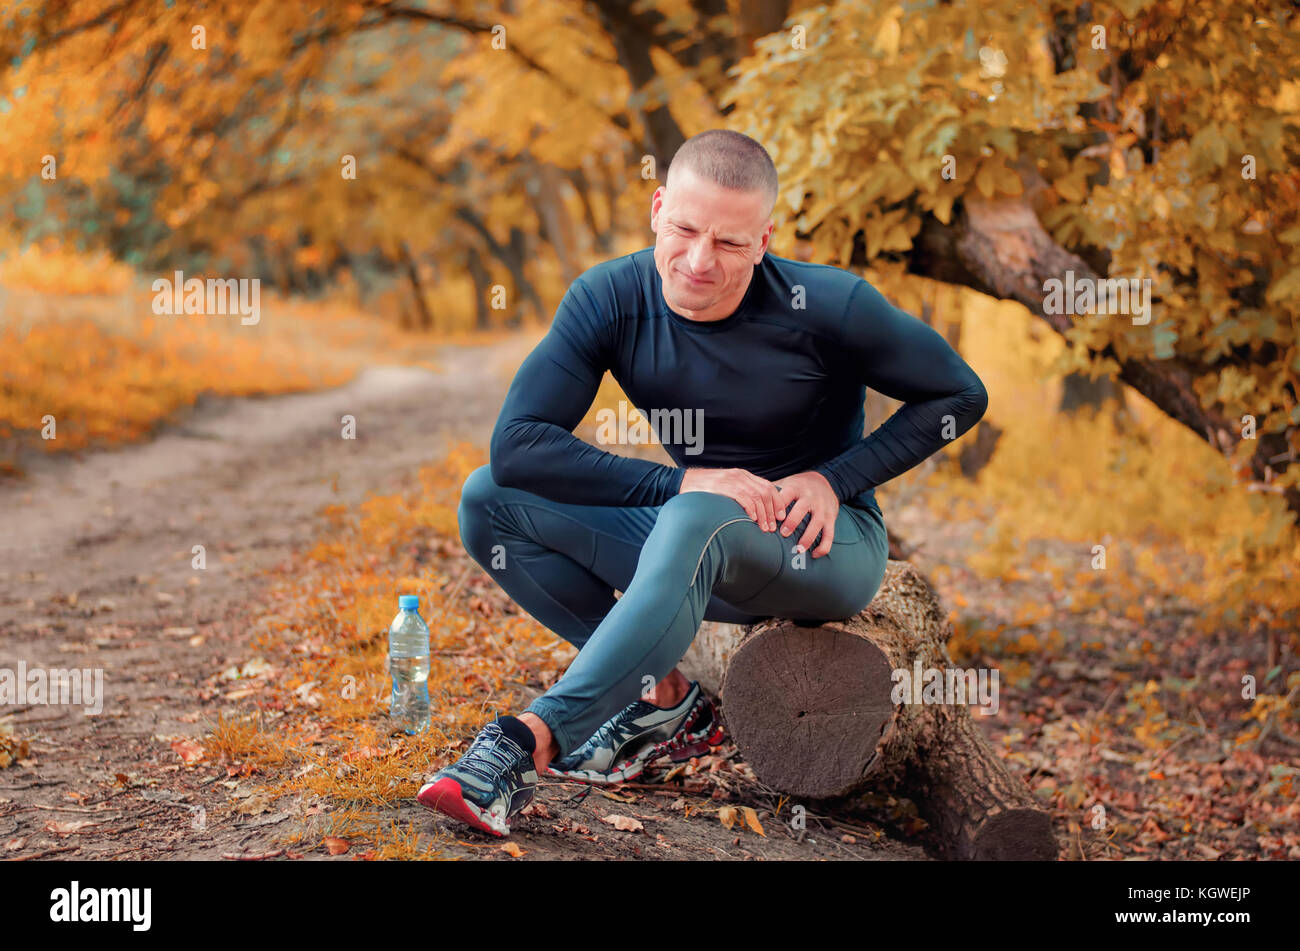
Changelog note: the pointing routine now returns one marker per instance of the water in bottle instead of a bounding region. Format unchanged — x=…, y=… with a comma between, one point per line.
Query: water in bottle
x=408, y=662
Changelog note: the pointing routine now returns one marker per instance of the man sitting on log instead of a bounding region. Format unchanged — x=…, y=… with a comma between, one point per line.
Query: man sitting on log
x=771, y=514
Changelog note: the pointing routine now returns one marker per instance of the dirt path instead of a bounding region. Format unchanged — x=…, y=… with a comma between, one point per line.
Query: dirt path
x=95, y=573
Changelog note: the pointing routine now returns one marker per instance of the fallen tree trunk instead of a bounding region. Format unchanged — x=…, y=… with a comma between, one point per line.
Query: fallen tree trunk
x=811, y=710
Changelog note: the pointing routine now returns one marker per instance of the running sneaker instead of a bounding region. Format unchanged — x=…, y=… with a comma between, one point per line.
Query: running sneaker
x=641, y=733
x=492, y=781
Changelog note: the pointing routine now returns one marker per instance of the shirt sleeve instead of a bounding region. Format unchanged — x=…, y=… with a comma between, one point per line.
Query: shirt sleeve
x=902, y=357
x=533, y=447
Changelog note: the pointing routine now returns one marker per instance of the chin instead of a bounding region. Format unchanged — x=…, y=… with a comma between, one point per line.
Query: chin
x=691, y=300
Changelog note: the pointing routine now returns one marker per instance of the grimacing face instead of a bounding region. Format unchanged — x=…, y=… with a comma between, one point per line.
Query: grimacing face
x=707, y=241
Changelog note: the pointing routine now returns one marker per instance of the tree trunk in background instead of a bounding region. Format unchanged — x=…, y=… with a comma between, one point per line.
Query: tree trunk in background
x=516, y=262
x=513, y=256
x=632, y=34
x=557, y=227
x=600, y=236
x=1079, y=390
x=999, y=247
x=482, y=287
x=757, y=18
x=424, y=319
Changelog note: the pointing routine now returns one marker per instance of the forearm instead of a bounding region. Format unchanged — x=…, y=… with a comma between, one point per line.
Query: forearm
x=911, y=435
x=544, y=459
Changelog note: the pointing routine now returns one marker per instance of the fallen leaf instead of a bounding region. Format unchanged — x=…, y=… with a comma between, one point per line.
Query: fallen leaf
x=254, y=805
x=187, y=750
x=69, y=827
x=13, y=845
x=512, y=849
x=727, y=816
x=336, y=846
x=365, y=752
x=623, y=823
x=610, y=794
x=751, y=820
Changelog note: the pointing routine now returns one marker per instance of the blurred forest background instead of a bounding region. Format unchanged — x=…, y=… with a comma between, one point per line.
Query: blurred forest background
x=410, y=173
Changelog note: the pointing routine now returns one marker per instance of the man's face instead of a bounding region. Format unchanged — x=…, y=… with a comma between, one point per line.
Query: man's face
x=707, y=241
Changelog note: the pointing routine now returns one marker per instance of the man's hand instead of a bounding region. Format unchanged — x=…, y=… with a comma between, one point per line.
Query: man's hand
x=810, y=492
x=758, y=497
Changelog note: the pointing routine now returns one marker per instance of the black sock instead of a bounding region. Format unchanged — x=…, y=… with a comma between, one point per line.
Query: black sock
x=518, y=731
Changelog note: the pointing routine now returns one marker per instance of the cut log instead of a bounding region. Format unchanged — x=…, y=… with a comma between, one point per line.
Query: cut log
x=812, y=711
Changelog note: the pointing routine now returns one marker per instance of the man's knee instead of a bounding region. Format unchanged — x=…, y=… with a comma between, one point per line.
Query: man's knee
x=697, y=515
x=473, y=514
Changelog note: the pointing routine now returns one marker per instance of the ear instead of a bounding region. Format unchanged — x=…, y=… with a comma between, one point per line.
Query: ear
x=656, y=204
x=764, y=241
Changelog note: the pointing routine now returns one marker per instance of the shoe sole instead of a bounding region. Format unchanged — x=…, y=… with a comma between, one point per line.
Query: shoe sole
x=445, y=796
x=678, y=751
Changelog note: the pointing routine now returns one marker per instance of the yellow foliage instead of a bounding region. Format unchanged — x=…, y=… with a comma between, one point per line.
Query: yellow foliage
x=1161, y=502
x=52, y=268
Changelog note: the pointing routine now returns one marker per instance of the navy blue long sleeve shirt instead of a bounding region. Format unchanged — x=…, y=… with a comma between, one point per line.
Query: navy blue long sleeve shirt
x=779, y=385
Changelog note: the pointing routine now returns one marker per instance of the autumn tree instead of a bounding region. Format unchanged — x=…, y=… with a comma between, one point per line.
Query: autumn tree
x=1011, y=148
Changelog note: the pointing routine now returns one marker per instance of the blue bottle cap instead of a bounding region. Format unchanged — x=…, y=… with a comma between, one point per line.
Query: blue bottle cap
x=408, y=602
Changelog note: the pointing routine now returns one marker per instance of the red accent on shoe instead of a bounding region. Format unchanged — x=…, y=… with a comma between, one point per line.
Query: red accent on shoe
x=445, y=796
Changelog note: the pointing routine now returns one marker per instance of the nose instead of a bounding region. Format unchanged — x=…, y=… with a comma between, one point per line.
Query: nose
x=700, y=256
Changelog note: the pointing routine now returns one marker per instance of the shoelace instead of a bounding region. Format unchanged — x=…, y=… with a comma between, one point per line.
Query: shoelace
x=490, y=754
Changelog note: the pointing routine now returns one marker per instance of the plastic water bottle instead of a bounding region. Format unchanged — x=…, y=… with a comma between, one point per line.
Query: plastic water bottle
x=408, y=662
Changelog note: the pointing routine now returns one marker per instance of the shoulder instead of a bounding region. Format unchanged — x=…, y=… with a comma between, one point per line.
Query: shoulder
x=600, y=299
x=619, y=286
x=816, y=297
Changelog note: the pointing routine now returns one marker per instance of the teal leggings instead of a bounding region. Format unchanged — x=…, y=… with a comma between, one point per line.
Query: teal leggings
x=697, y=557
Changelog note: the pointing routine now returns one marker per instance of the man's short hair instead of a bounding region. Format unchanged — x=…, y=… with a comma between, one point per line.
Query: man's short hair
x=730, y=159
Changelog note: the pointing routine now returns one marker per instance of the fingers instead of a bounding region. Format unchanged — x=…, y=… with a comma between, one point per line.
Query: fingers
x=797, y=512
x=763, y=499
x=828, y=538
x=810, y=535
x=819, y=523
x=766, y=506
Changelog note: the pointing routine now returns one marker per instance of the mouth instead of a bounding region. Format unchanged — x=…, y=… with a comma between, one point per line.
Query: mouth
x=693, y=281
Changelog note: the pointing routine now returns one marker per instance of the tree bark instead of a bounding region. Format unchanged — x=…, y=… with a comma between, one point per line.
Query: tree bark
x=998, y=247
x=811, y=711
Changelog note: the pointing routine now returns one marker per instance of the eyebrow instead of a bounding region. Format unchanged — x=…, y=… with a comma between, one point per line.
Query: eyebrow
x=733, y=239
